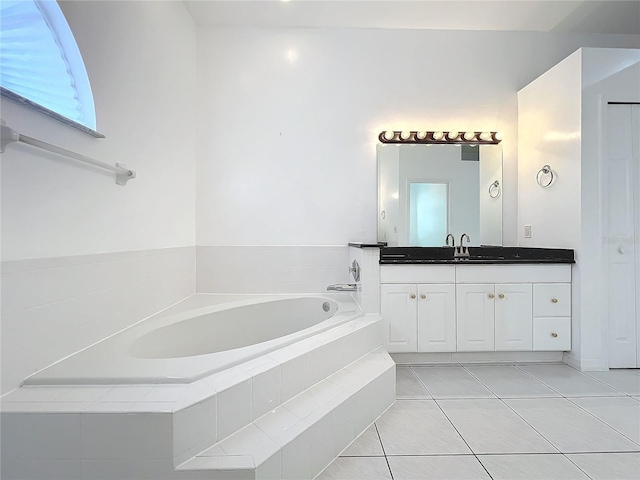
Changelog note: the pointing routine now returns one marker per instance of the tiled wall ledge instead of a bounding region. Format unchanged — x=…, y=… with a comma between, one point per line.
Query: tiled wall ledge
x=270, y=269
x=53, y=307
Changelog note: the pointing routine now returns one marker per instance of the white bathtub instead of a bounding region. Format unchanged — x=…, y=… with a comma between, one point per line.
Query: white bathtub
x=188, y=345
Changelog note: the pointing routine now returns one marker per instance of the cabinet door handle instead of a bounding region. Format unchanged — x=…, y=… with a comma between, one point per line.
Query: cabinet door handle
x=491, y=295
x=501, y=295
x=413, y=295
x=554, y=300
x=423, y=296
x=554, y=335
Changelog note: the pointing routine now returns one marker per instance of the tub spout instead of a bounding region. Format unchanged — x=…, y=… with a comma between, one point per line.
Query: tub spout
x=342, y=287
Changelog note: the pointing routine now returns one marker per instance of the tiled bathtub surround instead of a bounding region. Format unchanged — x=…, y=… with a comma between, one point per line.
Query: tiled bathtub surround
x=53, y=307
x=368, y=295
x=284, y=415
x=270, y=269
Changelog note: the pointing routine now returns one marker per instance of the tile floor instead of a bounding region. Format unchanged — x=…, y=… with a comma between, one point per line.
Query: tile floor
x=511, y=422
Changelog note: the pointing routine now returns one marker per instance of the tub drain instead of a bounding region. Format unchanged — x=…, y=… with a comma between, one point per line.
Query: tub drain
x=326, y=306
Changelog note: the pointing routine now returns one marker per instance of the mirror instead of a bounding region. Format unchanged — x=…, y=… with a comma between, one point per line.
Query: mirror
x=428, y=191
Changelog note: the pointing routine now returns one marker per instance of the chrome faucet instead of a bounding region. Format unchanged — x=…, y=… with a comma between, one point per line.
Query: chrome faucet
x=453, y=241
x=342, y=287
x=462, y=251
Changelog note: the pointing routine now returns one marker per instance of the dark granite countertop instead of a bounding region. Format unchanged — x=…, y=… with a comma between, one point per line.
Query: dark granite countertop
x=367, y=245
x=477, y=255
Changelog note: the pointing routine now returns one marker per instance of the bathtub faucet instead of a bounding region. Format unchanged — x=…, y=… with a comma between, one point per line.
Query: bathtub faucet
x=342, y=287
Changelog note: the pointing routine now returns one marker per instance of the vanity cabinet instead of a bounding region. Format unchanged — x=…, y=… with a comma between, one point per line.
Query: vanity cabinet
x=419, y=318
x=494, y=317
x=480, y=308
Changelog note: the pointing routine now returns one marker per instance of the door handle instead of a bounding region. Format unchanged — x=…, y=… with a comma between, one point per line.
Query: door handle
x=501, y=295
x=621, y=250
x=491, y=295
x=413, y=295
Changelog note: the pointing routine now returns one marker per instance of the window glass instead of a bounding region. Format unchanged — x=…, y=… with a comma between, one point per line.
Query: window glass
x=41, y=63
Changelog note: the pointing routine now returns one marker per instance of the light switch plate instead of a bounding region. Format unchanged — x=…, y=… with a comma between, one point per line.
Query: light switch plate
x=527, y=231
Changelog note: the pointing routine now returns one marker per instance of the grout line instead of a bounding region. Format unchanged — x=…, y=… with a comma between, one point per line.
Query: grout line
x=383, y=451
x=601, y=420
x=480, y=382
x=577, y=466
x=584, y=374
x=421, y=383
x=501, y=400
x=532, y=427
x=540, y=381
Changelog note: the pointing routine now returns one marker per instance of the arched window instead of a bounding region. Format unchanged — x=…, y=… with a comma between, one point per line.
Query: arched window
x=41, y=63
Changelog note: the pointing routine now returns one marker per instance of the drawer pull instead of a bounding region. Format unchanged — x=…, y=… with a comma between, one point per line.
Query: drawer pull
x=491, y=295
x=554, y=335
x=501, y=295
x=413, y=295
x=554, y=300
x=423, y=296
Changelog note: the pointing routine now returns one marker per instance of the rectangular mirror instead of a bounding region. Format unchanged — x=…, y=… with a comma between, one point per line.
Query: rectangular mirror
x=428, y=191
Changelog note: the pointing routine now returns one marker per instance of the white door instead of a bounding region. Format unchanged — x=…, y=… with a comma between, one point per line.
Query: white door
x=475, y=307
x=622, y=193
x=399, y=310
x=436, y=318
x=514, y=317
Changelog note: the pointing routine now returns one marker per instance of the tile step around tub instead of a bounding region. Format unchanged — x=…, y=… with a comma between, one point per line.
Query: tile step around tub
x=300, y=437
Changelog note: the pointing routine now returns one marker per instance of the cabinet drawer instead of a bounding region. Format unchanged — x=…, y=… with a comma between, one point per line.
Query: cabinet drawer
x=552, y=300
x=552, y=333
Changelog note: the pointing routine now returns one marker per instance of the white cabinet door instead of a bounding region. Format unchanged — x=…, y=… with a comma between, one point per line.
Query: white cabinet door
x=399, y=310
x=475, y=306
x=436, y=318
x=514, y=316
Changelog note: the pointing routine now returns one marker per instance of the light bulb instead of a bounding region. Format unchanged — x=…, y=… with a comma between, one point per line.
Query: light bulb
x=405, y=135
x=485, y=136
x=498, y=136
x=421, y=135
x=452, y=135
x=389, y=134
x=469, y=135
x=438, y=135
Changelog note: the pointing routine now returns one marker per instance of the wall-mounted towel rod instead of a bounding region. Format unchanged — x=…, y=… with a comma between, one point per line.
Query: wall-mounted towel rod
x=9, y=135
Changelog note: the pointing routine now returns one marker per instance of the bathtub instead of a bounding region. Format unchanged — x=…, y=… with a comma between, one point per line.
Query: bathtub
x=184, y=346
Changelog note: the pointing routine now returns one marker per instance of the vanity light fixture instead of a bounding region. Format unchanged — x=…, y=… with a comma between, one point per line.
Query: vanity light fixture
x=439, y=137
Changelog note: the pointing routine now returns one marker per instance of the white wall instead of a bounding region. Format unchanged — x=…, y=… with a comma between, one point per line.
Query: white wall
x=562, y=116
x=289, y=120
x=140, y=58
x=549, y=134
x=81, y=256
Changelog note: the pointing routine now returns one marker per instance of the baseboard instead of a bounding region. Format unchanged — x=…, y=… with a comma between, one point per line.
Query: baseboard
x=584, y=365
x=475, y=357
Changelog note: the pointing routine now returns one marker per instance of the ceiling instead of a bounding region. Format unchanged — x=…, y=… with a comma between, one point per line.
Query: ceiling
x=514, y=15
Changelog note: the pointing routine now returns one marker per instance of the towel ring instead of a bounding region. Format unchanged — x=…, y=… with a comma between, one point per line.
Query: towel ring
x=545, y=170
x=494, y=188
